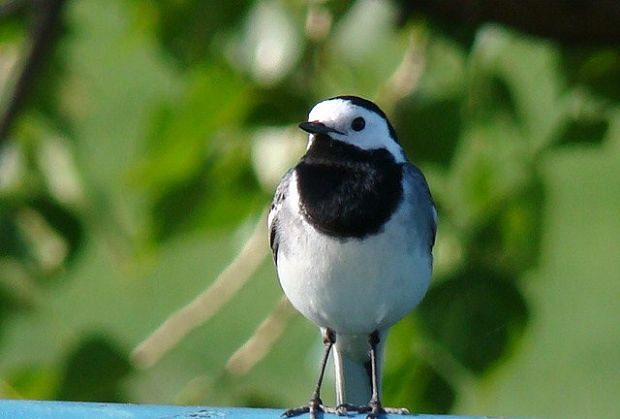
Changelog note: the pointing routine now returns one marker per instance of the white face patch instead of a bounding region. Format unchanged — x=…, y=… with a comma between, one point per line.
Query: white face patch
x=340, y=114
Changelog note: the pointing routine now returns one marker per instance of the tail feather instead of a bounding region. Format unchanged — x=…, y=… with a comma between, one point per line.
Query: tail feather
x=353, y=368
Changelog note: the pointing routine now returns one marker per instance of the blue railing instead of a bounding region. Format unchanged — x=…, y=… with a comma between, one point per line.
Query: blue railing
x=27, y=409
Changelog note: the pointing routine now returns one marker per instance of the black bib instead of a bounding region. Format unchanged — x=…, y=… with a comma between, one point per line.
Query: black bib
x=346, y=191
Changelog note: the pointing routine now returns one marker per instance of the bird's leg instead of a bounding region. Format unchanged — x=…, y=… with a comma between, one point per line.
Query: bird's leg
x=374, y=408
x=315, y=405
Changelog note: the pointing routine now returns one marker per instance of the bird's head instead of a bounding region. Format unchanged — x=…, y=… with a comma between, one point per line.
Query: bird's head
x=355, y=121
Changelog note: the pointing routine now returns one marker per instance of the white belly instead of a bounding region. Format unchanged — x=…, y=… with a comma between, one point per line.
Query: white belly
x=354, y=286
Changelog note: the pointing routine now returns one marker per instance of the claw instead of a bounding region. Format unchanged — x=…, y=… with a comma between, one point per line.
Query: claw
x=313, y=408
x=374, y=410
x=396, y=410
x=295, y=412
x=342, y=409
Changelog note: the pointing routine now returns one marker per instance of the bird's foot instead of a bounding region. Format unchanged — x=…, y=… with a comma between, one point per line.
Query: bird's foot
x=373, y=408
x=314, y=408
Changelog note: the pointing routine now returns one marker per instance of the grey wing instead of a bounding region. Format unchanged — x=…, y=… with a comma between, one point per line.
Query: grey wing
x=423, y=201
x=274, y=212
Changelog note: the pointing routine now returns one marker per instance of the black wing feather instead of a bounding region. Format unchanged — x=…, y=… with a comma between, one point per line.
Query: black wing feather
x=273, y=220
x=425, y=199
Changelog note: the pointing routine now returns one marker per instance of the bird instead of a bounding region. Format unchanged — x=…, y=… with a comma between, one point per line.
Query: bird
x=352, y=228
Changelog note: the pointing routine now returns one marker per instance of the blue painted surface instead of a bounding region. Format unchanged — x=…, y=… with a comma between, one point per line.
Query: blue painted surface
x=26, y=409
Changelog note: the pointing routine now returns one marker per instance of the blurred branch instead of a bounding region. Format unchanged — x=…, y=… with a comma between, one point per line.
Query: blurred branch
x=10, y=7
x=207, y=303
x=405, y=78
x=571, y=22
x=261, y=342
x=246, y=357
x=47, y=19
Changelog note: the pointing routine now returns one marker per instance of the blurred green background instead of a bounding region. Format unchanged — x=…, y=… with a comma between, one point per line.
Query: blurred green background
x=153, y=135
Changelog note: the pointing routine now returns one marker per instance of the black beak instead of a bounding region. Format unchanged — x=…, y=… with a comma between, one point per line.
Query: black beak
x=316, y=127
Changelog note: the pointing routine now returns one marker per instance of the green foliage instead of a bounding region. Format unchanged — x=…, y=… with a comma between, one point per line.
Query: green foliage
x=93, y=372
x=477, y=328
x=186, y=28
x=130, y=181
x=197, y=167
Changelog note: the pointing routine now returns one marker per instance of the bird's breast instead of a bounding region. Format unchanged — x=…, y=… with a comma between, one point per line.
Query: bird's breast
x=349, y=197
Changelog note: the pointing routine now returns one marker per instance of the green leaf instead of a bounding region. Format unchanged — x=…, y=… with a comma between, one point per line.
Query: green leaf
x=438, y=396
x=430, y=129
x=11, y=241
x=490, y=164
x=591, y=131
x=182, y=131
x=197, y=171
x=34, y=382
x=64, y=221
x=9, y=304
x=509, y=237
x=219, y=196
x=531, y=72
x=476, y=314
x=14, y=27
x=41, y=234
x=280, y=105
x=418, y=386
x=94, y=371
x=598, y=70
x=186, y=28
x=351, y=64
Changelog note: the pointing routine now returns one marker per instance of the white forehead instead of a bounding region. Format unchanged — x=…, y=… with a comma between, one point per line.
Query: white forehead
x=335, y=109
x=339, y=113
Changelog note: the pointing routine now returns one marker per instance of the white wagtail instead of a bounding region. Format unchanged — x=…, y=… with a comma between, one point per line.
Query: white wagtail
x=352, y=228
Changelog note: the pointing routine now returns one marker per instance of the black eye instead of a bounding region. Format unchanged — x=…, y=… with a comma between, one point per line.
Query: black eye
x=358, y=124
